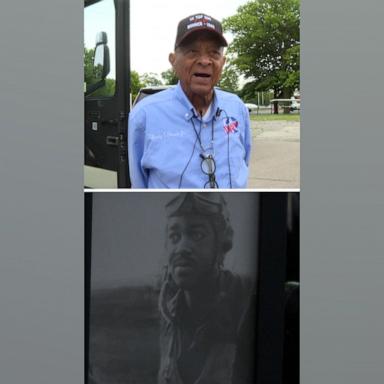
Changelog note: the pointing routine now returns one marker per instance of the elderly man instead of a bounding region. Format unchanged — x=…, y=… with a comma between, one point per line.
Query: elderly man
x=192, y=135
x=201, y=304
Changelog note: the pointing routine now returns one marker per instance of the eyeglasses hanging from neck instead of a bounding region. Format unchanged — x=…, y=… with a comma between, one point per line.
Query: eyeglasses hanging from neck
x=208, y=165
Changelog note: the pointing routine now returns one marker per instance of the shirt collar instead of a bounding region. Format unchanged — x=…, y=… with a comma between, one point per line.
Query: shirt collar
x=189, y=108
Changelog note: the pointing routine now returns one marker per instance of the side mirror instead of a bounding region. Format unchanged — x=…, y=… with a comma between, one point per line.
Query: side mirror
x=101, y=62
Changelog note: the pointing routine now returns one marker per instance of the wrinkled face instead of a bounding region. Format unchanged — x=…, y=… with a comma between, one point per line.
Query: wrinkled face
x=198, y=64
x=191, y=248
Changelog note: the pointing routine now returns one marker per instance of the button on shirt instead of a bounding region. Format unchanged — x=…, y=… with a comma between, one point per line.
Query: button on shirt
x=166, y=138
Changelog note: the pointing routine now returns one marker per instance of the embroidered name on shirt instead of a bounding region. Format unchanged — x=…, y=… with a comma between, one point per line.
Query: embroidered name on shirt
x=230, y=125
x=165, y=135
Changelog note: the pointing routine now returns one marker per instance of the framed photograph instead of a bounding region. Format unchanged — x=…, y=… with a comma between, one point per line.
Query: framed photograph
x=185, y=287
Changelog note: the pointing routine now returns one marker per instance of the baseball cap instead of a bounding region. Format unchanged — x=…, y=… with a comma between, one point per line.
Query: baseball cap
x=210, y=205
x=199, y=22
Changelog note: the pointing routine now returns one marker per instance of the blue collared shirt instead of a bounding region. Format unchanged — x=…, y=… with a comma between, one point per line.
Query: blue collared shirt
x=166, y=138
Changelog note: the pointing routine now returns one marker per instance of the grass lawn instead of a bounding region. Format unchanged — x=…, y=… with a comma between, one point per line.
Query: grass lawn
x=272, y=117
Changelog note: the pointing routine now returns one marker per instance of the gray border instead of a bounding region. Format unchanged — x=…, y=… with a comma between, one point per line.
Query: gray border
x=41, y=157
x=342, y=339
x=41, y=145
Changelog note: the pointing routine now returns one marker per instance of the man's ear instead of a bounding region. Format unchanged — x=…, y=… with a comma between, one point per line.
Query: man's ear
x=172, y=58
x=223, y=61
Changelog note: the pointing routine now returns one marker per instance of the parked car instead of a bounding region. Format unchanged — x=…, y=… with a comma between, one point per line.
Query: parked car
x=251, y=107
x=295, y=105
x=144, y=92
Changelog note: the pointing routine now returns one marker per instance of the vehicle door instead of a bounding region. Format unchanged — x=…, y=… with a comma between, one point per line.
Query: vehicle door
x=106, y=93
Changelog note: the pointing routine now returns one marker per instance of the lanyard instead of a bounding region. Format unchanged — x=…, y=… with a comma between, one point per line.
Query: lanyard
x=198, y=136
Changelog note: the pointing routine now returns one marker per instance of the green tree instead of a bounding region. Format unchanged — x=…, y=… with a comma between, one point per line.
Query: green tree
x=107, y=90
x=266, y=45
x=169, y=77
x=229, y=80
x=135, y=84
x=150, y=80
x=88, y=65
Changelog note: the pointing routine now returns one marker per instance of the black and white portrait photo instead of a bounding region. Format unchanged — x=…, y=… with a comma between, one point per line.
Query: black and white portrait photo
x=172, y=284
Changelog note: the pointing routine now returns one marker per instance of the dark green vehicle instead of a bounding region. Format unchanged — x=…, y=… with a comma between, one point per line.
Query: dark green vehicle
x=106, y=93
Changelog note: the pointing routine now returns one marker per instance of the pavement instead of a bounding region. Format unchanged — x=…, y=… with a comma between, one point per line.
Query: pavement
x=275, y=158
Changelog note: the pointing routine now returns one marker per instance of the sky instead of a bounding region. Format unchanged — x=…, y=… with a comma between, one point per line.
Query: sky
x=154, y=24
x=153, y=27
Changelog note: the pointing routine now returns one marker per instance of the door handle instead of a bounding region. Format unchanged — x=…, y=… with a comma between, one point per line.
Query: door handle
x=112, y=140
